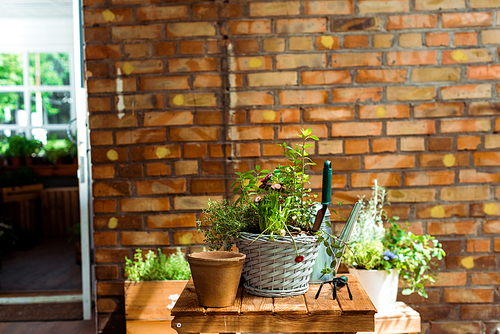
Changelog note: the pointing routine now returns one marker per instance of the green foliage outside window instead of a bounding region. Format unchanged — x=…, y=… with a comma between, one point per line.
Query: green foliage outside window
x=11, y=69
x=54, y=69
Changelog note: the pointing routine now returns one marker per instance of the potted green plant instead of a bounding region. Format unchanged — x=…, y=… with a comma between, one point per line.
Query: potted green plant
x=379, y=255
x=154, y=282
x=271, y=223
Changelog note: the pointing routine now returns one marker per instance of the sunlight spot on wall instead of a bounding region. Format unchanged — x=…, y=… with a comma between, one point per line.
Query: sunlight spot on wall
x=490, y=208
x=449, y=160
x=112, y=155
x=108, y=15
x=381, y=112
x=112, y=223
x=327, y=41
x=162, y=152
x=468, y=262
x=255, y=62
x=438, y=211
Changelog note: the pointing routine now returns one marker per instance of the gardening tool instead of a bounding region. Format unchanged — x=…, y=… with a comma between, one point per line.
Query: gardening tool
x=326, y=194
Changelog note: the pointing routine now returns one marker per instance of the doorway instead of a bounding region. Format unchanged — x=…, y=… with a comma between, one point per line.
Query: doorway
x=46, y=275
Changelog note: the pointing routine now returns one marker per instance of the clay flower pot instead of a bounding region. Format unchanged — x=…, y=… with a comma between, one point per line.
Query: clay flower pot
x=216, y=276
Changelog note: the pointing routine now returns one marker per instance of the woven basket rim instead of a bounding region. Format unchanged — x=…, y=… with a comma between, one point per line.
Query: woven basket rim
x=302, y=239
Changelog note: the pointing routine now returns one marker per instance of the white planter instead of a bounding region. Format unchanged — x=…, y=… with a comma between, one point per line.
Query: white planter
x=380, y=286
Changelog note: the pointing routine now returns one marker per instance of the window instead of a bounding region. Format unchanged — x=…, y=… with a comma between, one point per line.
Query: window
x=35, y=95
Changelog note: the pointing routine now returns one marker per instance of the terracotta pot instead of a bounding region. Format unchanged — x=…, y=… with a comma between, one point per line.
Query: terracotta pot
x=216, y=276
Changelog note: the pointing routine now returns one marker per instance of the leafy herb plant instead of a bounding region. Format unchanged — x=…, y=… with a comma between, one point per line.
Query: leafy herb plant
x=157, y=268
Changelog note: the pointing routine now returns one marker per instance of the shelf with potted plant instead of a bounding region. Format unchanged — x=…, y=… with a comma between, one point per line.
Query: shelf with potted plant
x=271, y=222
x=382, y=254
x=154, y=282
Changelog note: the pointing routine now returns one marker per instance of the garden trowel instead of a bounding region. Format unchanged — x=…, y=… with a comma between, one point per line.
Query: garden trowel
x=326, y=194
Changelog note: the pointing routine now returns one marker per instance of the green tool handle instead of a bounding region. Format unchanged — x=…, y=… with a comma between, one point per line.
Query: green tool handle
x=327, y=183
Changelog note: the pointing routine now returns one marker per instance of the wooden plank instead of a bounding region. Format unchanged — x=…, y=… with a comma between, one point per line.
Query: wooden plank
x=404, y=320
x=273, y=323
x=325, y=303
x=290, y=305
x=233, y=309
x=187, y=304
x=256, y=305
x=151, y=300
x=149, y=327
x=360, y=303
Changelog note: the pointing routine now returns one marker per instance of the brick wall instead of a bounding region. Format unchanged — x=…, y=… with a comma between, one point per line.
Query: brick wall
x=184, y=93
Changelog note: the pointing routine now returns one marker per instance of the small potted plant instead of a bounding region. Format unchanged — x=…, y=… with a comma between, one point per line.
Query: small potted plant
x=381, y=255
x=271, y=223
x=154, y=283
x=19, y=148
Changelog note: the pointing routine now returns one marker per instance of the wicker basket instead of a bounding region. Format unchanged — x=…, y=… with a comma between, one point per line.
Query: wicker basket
x=270, y=269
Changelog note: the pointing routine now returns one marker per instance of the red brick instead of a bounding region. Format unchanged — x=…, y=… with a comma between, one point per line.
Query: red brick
x=328, y=7
x=411, y=21
x=491, y=226
x=212, y=167
x=467, y=193
x=304, y=60
x=469, y=125
x=191, y=29
x=104, y=205
x=172, y=220
x=412, y=58
x=326, y=147
x=103, y=172
x=389, y=161
x=301, y=43
x=369, y=94
x=437, y=39
x=465, y=56
x=193, y=64
x=450, y=279
x=95, y=104
x=468, y=295
x=140, y=136
x=465, y=38
x=105, y=238
x=144, y=238
x=458, y=20
x=356, y=24
x=301, y=26
x=356, y=129
x=454, y=327
x=486, y=158
x=435, y=74
x=443, y=160
x=209, y=118
x=411, y=195
x=303, y=97
x=480, y=312
x=275, y=116
x=381, y=76
x=468, y=142
x=439, y=110
x=106, y=305
x=109, y=85
x=484, y=72
x=246, y=46
x=111, y=255
x=188, y=237
x=355, y=41
x=474, y=176
x=433, y=5
x=195, y=150
x=325, y=77
x=318, y=114
x=136, y=50
x=152, y=32
x=102, y=52
x=99, y=34
x=357, y=146
x=339, y=164
x=106, y=272
x=130, y=171
x=485, y=279
x=384, y=145
x=384, y=111
x=466, y=92
x=249, y=27
x=363, y=180
x=169, y=186
x=107, y=189
x=194, y=134
x=274, y=8
x=441, y=211
x=250, y=133
x=156, y=13
x=412, y=144
x=186, y=167
x=168, y=118
x=411, y=128
x=478, y=246
x=144, y=204
x=356, y=59
x=101, y=138
x=248, y=150
x=410, y=93
x=448, y=228
x=105, y=155
x=193, y=100
x=440, y=144
x=254, y=63
x=291, y=131
x=272, y=79
x=164, y=49
x=164, y=83
x=374, y=6
x=429, y=178
x=124, y=222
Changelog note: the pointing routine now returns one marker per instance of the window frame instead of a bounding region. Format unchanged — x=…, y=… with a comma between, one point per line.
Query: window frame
x=26, y=89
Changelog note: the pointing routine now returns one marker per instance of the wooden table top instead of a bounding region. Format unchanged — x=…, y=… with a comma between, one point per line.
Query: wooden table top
x=292, y=314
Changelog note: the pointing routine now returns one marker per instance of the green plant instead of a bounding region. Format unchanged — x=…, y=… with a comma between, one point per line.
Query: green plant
x=157, y=268
x=374, y=246
x=276, y=203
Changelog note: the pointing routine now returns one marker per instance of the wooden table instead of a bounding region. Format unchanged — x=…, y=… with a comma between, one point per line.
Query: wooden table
x=252, y=314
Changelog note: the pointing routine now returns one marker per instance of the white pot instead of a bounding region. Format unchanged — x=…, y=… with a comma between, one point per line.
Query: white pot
x=382, y=288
